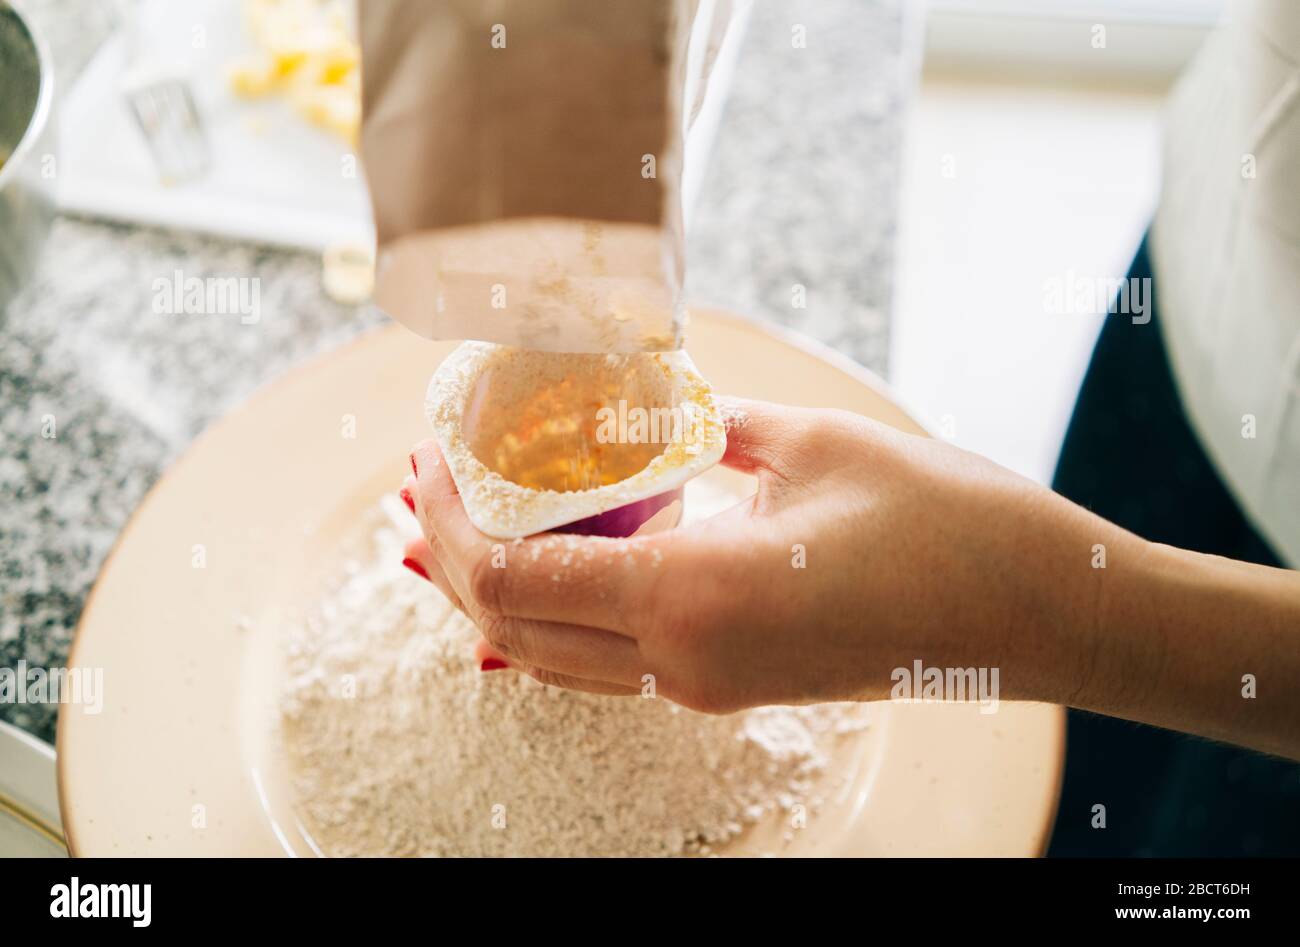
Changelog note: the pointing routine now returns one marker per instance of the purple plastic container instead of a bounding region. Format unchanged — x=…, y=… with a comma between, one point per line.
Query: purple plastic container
x=629, y=520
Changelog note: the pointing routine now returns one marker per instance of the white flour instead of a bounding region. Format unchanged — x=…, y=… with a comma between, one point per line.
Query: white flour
x=399, y=745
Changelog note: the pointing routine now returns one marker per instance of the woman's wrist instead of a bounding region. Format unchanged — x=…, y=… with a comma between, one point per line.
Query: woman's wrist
x=1074, y=571
x=1124, y=632
x=1198, y=643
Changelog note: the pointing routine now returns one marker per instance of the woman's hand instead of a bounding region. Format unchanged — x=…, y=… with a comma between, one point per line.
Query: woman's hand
x=863, y=551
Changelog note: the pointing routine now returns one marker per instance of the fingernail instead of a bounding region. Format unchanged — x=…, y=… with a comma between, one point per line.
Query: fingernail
x=492, y=664
x=415, y=470
x=405, y=494
x=415, y=567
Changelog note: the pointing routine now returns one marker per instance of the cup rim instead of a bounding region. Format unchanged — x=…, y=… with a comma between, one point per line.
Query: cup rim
x=503, y=509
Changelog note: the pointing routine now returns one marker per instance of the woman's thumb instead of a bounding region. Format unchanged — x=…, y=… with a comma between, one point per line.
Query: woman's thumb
x=762, y=436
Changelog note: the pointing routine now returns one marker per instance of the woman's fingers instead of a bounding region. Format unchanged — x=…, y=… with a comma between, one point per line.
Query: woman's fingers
x=488, y=657
x=420, y=559
x=491, y=659
x=437, y=500
x=570, y=650
x=553, y=654
x=579, y=684
x=761, y=436
x=579, y=580
x=522, y=594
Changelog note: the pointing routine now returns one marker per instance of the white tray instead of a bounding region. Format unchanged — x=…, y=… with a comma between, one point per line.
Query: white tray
x=274, y=179
x=29, y=798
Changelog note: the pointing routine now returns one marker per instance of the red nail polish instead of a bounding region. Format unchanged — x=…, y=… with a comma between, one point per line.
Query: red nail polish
x=492, y=664
x=405, y=494
x=415, y=567
x=415, y=470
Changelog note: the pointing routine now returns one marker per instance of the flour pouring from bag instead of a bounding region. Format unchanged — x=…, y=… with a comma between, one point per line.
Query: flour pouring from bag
x=532, y=163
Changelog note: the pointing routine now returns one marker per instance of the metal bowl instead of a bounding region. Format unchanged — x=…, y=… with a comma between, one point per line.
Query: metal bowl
x=27, y=164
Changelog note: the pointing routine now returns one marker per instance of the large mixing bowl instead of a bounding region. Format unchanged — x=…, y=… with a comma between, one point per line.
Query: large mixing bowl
x=27, y=165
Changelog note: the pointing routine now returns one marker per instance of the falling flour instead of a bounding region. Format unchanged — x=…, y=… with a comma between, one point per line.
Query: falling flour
x=399, y=745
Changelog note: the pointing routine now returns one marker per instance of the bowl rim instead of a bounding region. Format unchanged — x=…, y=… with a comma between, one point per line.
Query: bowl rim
x=44, y=96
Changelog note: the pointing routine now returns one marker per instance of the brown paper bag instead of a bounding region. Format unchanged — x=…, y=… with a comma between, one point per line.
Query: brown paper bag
x=524, y=159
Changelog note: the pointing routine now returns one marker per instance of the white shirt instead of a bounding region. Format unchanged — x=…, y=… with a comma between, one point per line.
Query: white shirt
x=1226, y=252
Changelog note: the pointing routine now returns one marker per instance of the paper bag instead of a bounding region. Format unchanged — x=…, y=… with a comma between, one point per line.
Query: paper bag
x=525, y=165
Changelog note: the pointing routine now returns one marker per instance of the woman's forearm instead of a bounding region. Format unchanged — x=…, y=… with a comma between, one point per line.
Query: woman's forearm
x=1197, y=643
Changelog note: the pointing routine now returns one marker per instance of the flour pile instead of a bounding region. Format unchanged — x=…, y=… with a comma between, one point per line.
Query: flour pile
x=399, y=745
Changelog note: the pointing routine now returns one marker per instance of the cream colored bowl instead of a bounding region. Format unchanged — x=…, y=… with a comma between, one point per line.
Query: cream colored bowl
x=182, y=760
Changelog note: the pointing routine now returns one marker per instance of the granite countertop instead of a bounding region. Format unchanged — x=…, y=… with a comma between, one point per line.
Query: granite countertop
x=98, y=394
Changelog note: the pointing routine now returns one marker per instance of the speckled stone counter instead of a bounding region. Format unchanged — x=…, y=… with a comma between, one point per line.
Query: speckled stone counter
x=802, y=186
x=98, y=393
